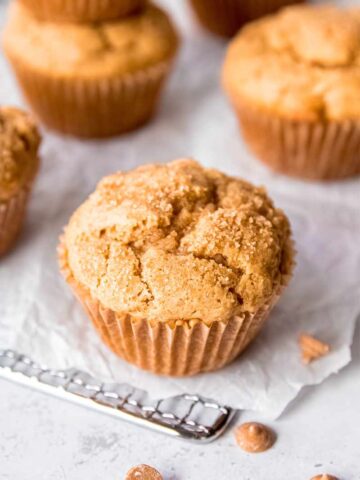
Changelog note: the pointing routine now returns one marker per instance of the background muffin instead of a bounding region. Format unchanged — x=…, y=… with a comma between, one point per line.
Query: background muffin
x=19, y=162
x=226, y=17
x=92, y=80
x=294, y=81
x=82, y=10
x=178, y=266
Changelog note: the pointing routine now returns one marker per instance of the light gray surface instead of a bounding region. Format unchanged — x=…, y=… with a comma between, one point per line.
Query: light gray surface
x=42, y=438
x=45, y=439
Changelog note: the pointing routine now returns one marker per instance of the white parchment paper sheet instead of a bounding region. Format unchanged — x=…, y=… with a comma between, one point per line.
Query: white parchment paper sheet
x=39, y=316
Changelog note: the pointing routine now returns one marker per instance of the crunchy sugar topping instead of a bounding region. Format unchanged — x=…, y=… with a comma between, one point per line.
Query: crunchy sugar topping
x=19, y=143
x=179, y=242
x=254, y=437
x=312, y=348
x=303, y=63
x=67, y=49
x=143, y=472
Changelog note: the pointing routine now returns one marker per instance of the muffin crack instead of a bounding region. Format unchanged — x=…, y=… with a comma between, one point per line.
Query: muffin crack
x=221, y=260
x=141, y=273
x=106, y=44
x=196, y=215
x=290, y=51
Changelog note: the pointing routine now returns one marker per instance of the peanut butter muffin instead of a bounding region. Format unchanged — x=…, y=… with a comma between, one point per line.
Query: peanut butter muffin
x=82, y=10
x=178, y=266
x=91, y=80
x=19, y=162
x=294, y=81
x=226, y=17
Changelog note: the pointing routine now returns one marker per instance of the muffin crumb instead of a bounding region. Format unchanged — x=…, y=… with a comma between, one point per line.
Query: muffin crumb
x=312, y=348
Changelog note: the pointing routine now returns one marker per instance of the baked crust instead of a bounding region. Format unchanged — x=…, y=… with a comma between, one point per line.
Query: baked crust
x=19, y=143
x=302, y=63
x=84, y=11
x=179, y=242
x=92, y=50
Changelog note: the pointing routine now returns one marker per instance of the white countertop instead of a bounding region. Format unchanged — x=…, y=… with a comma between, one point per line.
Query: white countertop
x=42, y=438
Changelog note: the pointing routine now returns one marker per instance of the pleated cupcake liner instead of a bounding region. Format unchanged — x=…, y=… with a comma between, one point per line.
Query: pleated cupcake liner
x=173, y=350
x=82, y=11
x=92, y=107
x=12, y=214
x=313, y=150
x=226, y=17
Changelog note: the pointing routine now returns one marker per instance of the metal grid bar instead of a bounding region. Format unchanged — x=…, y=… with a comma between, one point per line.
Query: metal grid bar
x=190, y=417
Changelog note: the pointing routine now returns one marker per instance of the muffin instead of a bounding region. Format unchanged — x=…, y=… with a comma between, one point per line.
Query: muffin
x=178, y=266
x=226, y=17
x=19, y=162
x=82, y=10
x=294, y=81
x=93, y=80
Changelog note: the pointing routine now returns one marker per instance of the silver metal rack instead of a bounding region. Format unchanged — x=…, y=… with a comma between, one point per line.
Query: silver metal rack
x=186, y=416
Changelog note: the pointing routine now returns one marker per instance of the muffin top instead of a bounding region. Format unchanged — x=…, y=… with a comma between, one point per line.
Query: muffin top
x=19, y=143
x=67, y=49
x=302, y=63
x=178, y=242
x=80, y=10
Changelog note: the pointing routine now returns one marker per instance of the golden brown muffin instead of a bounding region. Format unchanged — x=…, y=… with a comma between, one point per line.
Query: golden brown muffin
x=85, y=11
x=226, y=17
x=294, y=81
x=92, y=80
x=19, y=162
x=168, y=256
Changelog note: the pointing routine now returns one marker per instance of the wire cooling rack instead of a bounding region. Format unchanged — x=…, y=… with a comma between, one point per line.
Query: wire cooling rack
x=186, y=416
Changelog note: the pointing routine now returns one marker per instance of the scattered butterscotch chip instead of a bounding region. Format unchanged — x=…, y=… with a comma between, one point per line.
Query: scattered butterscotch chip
x=254, y=437
x=324, y=476
x=143, y=472
x=312, y=348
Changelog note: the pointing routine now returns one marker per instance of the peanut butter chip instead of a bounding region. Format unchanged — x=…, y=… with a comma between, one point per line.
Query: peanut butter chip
x=324, y=477
x=254, y=437
x=143, y=472
x=312, y=348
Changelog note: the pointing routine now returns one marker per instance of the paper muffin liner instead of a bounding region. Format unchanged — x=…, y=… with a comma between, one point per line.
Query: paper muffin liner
x=226, y=17
x=12, y=213
x=82, y=10
x=179, y=349
x=314, y=150
x=93, y=107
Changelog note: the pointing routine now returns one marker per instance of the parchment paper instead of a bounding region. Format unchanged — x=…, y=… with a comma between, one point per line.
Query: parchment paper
x=39, y=316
